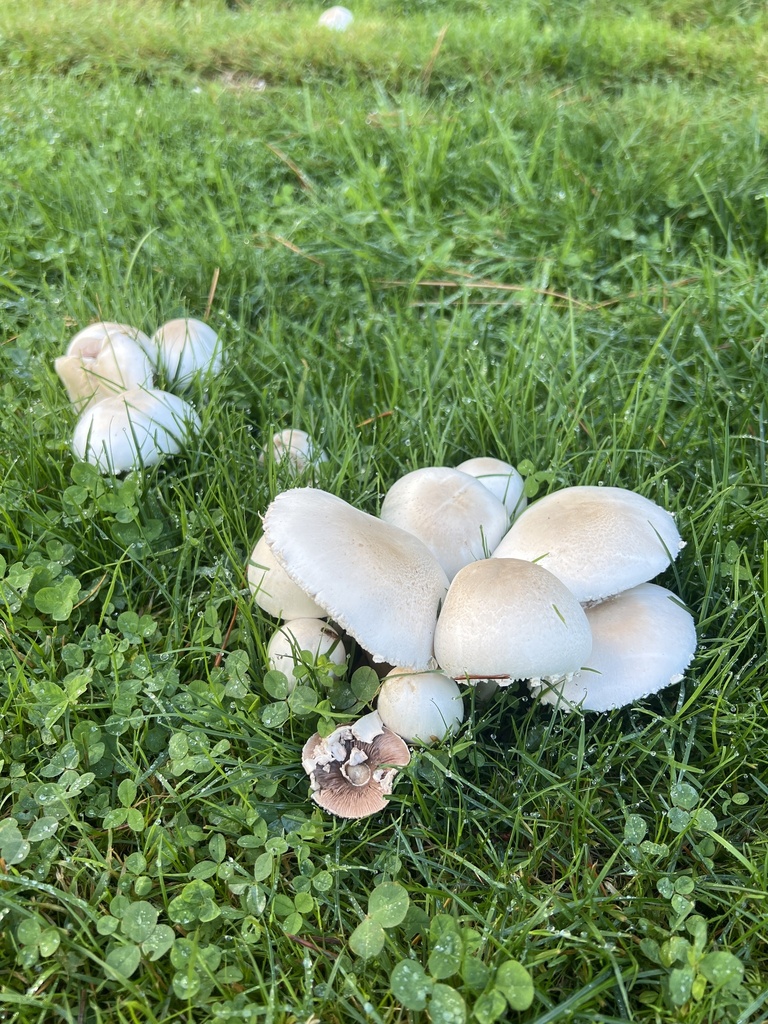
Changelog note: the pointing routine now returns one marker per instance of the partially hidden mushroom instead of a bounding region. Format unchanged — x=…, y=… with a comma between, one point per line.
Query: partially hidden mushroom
x=102, y=360
x=501, y=479
x=377, y=582
x=451, y=512
x=273, y=589
x=301, y=642
x=296, y=449
x=132, y=429
x=642, y=640
x=597, y=540
x=184, y=349
x=421, y=707
x=508, y=619
x=352, y=771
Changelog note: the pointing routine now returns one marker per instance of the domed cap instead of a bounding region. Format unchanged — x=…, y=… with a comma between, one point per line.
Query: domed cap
x=379, y=583
x=352, y=771
x=597, y=540
x=451, y=512
x=501, y=479
x=642, y=640
x=420, y=706
x=509, y=619
x=132, y=429
x=185, y=348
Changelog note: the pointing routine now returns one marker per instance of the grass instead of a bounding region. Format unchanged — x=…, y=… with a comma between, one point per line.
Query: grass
x=540, y=236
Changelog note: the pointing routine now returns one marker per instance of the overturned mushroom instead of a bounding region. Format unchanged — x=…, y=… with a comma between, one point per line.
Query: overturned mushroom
x=352, y=771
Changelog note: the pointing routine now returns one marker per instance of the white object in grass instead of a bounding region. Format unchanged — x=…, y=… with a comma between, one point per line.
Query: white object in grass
x=421, y=707
x=302, y=642
x=337, y=18
x=101, y=360
x=185, y=349
x=133, y=429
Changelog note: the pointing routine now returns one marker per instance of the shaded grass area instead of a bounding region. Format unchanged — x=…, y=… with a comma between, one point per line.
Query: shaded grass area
x=416, y=269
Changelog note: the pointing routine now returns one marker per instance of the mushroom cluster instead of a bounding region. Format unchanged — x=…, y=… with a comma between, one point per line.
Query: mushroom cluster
x=109, y=372
x=458, y=582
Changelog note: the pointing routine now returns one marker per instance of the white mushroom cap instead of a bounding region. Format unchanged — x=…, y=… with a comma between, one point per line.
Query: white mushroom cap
x=510, y=619
x=642, y=640
x=299, y=637
x=352, y=771
x=420, y=706
x=273, y=589
x=296, y=448
x=132, y=429
x=101, y=360
x=451, y=512
x=597, y=540
x=501, y=479
x=379, y=583
x=337, y=18
x=185, y=348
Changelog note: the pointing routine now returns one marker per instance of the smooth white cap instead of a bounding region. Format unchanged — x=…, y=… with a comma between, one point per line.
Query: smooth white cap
x=273, y=589
x=337, y=18
x=185, y=348
x=420, y=706
x=501, y=479
x=379, y=583
x=642, y=640
x=299, y=636
x=132, y=429
x=508, y=618
x=451, y=512
x=597, y=540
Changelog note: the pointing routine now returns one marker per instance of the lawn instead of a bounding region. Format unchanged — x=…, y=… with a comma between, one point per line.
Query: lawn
x=533, y=231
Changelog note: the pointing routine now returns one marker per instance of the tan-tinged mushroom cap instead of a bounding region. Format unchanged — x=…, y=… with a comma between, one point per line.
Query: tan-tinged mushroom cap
x=458, y=519
x=642, y=640
x=377, y=582
x=352, y=771
x=273, y=589
x=101, y=360
x=501, y=479
x=597, y=540
x=508, y=619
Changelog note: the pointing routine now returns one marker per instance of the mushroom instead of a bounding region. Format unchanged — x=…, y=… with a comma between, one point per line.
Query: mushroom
x=295, y=448
x=337, y=18
x=102, y=360
x=451, y=512
x=420, y=706
x=131, y=429
x=379, y=583
x=185, y=348
x=642, y=640
x=508, y=619
x=501, y=479
x=352, y=771
x=273, y=589
x=302, y=642
x=597, y=540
